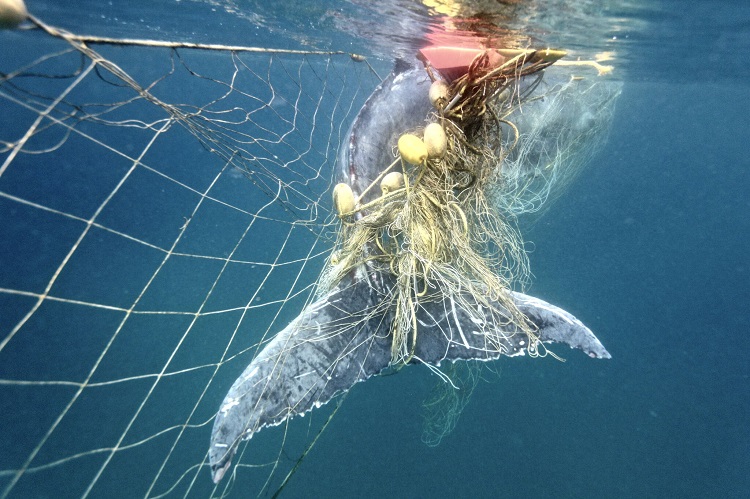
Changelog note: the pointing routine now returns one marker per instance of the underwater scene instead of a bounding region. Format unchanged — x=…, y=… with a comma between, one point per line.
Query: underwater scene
x=410, y=248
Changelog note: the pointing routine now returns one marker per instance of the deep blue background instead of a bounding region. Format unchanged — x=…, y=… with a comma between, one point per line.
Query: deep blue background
x=649, y=247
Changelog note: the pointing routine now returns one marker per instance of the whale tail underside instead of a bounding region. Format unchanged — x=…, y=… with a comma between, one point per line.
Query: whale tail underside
x=345, y=337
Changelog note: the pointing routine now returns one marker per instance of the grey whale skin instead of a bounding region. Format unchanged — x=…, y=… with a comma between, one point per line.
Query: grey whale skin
x=343, y=338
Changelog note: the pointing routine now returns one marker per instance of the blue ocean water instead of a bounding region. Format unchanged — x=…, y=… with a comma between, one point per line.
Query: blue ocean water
x=648, y=247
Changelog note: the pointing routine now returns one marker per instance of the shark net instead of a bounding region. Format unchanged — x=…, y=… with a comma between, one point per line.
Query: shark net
x=160, y=221
x=166, y=219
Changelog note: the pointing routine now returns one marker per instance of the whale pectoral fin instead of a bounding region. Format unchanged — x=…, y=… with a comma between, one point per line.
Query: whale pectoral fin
x=556, y=325
x=334, y=343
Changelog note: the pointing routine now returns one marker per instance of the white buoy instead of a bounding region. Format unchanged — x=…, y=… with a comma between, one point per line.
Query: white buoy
x=438, y=94
x=391, y=182
x=435, y=140
x=12, y=13
x=412, y=149
x=343, y=199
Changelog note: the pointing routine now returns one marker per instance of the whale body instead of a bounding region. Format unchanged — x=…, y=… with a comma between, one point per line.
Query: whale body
x=345, y=336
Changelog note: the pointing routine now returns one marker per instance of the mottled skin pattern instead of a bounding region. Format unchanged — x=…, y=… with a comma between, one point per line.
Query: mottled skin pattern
x=345, y=338
x=399, y=103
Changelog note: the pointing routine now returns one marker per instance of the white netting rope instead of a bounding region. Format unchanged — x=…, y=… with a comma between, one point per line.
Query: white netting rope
x=273, y=118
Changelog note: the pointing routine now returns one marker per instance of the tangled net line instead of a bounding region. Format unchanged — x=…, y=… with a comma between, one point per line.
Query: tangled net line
x=450, y=229
x=439, y=234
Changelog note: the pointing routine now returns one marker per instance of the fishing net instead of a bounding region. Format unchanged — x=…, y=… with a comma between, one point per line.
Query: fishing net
x=499, y=142
x=445, y=222
x=166, y=219
x=160, y=221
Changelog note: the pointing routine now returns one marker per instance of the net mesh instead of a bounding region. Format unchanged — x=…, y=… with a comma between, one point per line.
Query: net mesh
x=166, y=219
x=163, y=220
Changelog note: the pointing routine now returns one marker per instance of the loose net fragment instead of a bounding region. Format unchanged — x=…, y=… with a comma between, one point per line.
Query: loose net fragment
x=164, y=211
x=446, y=400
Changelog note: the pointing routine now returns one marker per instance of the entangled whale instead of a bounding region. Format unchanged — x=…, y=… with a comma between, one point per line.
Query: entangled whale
x=346, y=335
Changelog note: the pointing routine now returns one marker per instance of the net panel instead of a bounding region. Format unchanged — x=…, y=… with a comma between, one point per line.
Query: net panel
x=159, y=225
